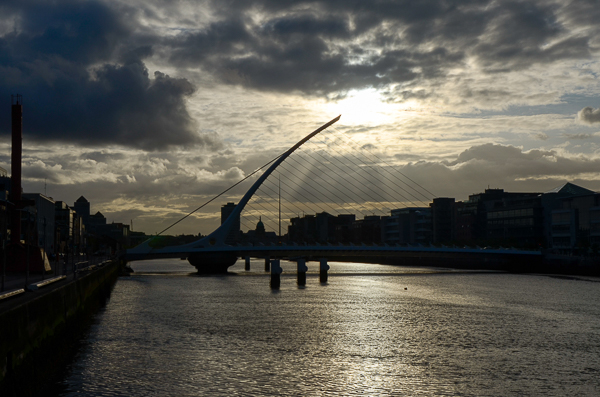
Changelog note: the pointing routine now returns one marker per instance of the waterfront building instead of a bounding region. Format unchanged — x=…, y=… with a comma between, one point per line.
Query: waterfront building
x=575, y=225
x=411, y=225
x=443, y=219
x=343, y=228
x=523, y=220
x=515, y=219
x=497, y=217
x=234, y=233
x=79, y=234
x=95, y=221
x=259, y=235
x=5, y=181
x=70, y=230
x=43, y=210
x=325, y=228
x=367, y=230
x=64, y=226
x=302, y=229
x=113, y=235
x=82, y=207
x=321, y=228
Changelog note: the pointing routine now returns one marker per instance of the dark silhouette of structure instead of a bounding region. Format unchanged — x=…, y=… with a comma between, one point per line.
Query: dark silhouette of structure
x=15, y=164
x=21, y=256
x=234, y=234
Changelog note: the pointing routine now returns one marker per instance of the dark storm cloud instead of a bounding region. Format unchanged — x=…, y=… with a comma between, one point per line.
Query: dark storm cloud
x=295, y=60
x=522, y=34
x=582, y=14
x=102, y=157
x=289, y=26
x=328, y=47
x=75, y=31
x=81, y=64
x=62, y=57
x=589, y=115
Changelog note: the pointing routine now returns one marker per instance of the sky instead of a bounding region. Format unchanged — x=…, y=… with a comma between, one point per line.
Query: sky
x=149, y=108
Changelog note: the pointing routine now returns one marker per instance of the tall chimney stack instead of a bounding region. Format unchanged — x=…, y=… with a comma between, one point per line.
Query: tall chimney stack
x=15, y=161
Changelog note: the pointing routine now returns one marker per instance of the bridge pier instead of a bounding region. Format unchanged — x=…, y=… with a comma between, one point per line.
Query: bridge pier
x=275, y=274
x=267, y=263
x=302, y=269
x=323, y=268
x=247, y=265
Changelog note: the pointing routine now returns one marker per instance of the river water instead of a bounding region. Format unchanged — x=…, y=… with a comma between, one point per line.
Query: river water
x=371, y=330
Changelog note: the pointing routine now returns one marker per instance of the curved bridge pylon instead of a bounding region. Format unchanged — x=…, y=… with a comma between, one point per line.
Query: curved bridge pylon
x=210, y=254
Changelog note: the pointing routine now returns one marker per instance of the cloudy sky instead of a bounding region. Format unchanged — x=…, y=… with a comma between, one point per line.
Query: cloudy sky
x=148, y=107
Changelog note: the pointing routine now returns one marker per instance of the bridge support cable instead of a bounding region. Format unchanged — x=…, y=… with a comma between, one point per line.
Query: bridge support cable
x=332, y=181
x=324, y=187
x=375, y=176
x=347, y=188
x=363, y=149
x=218, y=195
x=356, y=184
x=284, y=201
x=212, y=254
x=316, y=194
x=305, y=198
x=341, y=141
x=316, y=198
x=429, y=194
x=268, y=209
x=325, y=180
x=311, y=177
x=274, y=195
x=363, y=174
x=290, y=212
x=256, y=215
x=218, y=236
x=362, y=169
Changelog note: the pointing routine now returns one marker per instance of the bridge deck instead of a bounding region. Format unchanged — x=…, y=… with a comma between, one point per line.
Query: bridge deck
x=290, y=251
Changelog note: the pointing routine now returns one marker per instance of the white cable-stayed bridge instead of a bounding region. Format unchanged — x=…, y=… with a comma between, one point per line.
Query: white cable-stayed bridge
x=321, y=174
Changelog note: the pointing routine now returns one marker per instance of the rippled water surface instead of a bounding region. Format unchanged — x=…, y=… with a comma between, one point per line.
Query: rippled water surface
x=372, y=330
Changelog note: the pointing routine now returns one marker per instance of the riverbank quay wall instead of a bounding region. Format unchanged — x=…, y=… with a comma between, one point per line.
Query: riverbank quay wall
x=39, y=329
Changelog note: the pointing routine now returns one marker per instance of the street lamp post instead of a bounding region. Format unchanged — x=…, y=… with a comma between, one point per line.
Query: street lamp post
x=3, y=261
x=44, y=256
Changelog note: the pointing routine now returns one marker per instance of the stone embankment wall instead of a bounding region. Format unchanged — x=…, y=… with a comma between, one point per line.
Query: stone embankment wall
x=36, y=336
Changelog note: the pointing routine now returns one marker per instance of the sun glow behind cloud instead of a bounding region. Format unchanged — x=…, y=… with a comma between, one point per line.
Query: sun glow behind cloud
x=365, y=107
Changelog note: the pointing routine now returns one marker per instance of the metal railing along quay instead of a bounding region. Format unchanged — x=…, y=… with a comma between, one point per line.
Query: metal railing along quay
x=15, y=284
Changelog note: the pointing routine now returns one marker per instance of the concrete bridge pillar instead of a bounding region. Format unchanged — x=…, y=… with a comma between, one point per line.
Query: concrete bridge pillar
x=275, y=274
x=302, y=269
x=267, y=263
x=323, y=268
x=247, y=265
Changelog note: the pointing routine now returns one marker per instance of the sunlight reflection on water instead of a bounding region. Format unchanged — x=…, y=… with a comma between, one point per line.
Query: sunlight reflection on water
x=372, y=330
